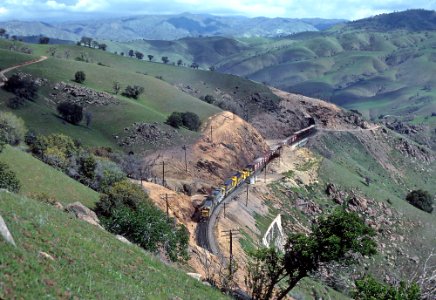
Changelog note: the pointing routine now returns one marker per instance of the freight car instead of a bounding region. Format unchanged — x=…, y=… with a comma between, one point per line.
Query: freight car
x=230, y=185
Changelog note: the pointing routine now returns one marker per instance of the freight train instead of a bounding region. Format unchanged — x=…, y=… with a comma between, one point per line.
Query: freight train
x=230, y=185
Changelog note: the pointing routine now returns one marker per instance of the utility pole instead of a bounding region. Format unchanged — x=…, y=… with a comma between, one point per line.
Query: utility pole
x=265, y=171
x=163, y=173
x=186, y=162
x=231, y=234
x=246, y=200
x=167, y=199
x=224, y=210
x=211, y=140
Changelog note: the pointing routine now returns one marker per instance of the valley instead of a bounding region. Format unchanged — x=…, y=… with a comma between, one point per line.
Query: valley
x=111, y=205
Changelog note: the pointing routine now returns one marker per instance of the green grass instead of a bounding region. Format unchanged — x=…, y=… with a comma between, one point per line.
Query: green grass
x=9, y=59
x=37, y=178
x=89, y=263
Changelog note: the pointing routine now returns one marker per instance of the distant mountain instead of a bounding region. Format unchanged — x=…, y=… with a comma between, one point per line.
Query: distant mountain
x=169, y=27
x=413, y=20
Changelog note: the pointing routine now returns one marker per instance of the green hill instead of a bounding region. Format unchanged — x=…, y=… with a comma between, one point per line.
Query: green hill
x=88, y=263
x=39, y=179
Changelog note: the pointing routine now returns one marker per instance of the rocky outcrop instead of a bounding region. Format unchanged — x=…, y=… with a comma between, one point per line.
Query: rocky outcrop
x=5, y=233
x=156, y=134
x=81, y=95
x=83, y=213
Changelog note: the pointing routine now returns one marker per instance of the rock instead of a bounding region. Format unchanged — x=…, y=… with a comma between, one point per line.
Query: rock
x=58, y=205
x=195, y=276
x=415, y=259
x=4, y=231
x=123, y=239
x=83, y=213
x=46, y=255
x=331, y=189
x=187, y=189
x=359, y=202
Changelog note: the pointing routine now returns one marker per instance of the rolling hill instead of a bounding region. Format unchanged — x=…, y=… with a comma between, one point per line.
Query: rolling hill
x=168, y=27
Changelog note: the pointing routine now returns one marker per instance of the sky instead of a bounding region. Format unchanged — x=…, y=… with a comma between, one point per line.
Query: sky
x=65, y=10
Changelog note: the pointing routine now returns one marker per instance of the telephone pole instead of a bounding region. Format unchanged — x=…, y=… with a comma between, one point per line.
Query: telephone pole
x=231, y=234
x=163, y=173
x=224, y=210
x=265, y=171
x=211, y=140
x=246, y=200
x=167, y=198
x=186, y=162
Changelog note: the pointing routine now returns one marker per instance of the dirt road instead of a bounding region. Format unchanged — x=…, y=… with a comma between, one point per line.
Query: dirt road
x=3, y=78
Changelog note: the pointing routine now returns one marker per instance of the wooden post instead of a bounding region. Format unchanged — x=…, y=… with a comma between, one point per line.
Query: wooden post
x=163, y=173
x=246, y=200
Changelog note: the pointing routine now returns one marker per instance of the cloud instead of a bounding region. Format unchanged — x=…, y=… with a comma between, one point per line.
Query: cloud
x=76, y=9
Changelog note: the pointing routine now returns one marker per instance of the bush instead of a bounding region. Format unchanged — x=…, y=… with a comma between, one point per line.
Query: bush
x=126, y=210
x=22, y=87
x=8, y=179
x=368, y=288
x=421, y=199
x=191, y=121
x=107, y=173
x=133, y=91
x=79, y=77
x=71, y=112
x=188, y=119
x=175, y=120
x=16, y=102
x=209, y=99
x=12, y=129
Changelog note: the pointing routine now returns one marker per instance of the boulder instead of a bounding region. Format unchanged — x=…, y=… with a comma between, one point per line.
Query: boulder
x=83, y=213
x=123, y=239
x=195, y=276
x=4, y=231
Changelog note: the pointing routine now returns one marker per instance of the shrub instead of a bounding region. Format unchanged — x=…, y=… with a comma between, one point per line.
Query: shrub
x=79, y=77
x=12, y=129
x=123, y=193
x=126, y=210
x=54, y=149
x=16, y=102
x=23, y=87
x=191, y=121
x=209, y=99
x=368, y=288
x=71, y=112
x=175, y=120
x=188, y=119
x=133, y=91
x=421, y=199
x=8, y=179
x=107, y=173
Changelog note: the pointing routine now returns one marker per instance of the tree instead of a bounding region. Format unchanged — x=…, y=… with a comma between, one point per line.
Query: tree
x=194, y=65
x=333, y=239
x=116, y=86
x=79, y=77
x=44, y=40
x=209, y=99
x=175, y=120
x=150, y=57
x=12, y=129
x=139, y=55
x=2, y=32
x=180, y=62
x=367, y=288
x=165, y=59
x=95, y=44
x=421, y=199
x=102, y=47
x=87, y=41
x=16, y=102
x=133, y=91
x=191, y=121
x=131, y=53
x=71, y=112
x=212, y=68
x=23, y=87
x=126, y=209
x=88, y=118
x=8, y=179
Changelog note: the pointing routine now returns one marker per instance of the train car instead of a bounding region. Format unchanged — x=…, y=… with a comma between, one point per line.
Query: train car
x=207, y=208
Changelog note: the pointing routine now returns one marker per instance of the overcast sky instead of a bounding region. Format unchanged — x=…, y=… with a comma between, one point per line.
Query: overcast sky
x=64, y=10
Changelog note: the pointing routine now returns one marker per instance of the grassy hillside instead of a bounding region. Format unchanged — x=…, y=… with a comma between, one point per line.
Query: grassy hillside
x=38, y=178
x=158, y=101
x=88, y=263
x=167, y=89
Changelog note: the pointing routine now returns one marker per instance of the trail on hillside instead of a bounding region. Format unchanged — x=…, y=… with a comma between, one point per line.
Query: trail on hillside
x=3, y=78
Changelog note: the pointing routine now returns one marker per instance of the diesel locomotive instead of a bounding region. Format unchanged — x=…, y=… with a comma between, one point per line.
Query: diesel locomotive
x=228, y=186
